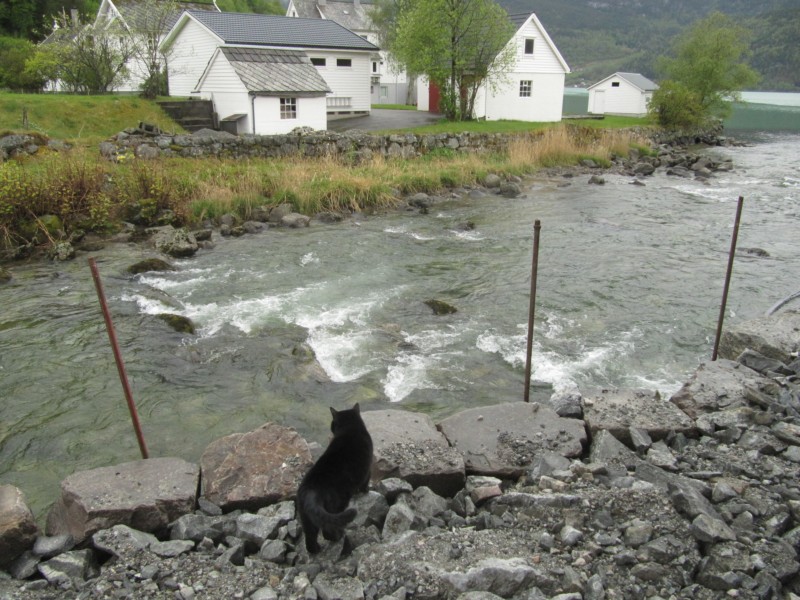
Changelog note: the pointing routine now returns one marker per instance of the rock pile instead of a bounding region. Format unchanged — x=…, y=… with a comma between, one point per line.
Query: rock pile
x=601, y=494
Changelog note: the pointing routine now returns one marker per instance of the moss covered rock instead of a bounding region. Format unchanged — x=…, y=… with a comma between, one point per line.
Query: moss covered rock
x=149, y=264
x=440, y=307
x=177, y=322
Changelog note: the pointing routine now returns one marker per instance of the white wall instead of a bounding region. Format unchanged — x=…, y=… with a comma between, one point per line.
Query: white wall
x=188, y=58
x=626, y=99
x=543, y=105
x=351, y=83
x=310, y=113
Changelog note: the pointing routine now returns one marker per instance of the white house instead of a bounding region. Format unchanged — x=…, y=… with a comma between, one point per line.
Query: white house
x=389, y=81
x=533, y=89
x=626, y=94
x=264, y=90
x=136, y=16
x=341, y=57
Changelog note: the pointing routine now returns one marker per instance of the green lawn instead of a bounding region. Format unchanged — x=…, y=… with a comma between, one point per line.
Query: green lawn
x=80, y=119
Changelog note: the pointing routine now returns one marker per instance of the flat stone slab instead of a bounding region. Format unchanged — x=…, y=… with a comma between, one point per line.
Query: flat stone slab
x=18, y=528
x=617, y=410
x=252, y=470
x=776, y=336
x=408, y=446
x=504, y=440
x=145, y=495
x=718, y=385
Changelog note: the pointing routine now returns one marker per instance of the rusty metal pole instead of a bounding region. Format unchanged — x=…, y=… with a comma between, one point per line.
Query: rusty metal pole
x=123, y=376
x=727, y=278
x=537, y=226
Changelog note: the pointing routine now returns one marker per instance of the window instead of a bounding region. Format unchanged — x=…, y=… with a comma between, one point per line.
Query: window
x=288, y=108
x=374, y=66
x=525, y=88
x=318, y=62
x=528, y=45
x=384, y=92
x=615, y=84
x=344, y=62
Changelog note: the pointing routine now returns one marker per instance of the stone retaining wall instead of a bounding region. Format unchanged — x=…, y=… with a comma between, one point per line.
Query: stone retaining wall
x=304, y=142
x=354, y=145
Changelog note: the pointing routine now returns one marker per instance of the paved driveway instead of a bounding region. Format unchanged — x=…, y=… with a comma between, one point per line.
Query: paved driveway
x=383, y=118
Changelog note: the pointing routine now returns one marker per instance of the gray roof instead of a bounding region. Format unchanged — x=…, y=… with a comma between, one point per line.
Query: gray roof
x=273, y=30
x=137, y=16
x=271, y=72
x=638, y=80
x=347, y=13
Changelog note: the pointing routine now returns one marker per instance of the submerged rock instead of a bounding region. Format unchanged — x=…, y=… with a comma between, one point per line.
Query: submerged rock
x=179, y=323
x=440, y=307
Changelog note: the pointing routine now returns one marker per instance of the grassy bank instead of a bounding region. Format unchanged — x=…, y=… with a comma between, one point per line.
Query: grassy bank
x=83, y=120
x=88, y=193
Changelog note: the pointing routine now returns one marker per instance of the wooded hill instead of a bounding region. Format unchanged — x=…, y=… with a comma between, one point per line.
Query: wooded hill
x=599, y=37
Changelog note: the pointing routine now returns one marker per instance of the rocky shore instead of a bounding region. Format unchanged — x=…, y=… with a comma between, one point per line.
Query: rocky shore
x=595, y=494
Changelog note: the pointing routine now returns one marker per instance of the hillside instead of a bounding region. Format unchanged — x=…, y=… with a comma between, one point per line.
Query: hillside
x=598, y=37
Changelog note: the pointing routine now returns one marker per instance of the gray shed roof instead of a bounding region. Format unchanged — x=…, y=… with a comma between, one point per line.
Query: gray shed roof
x=347, y=13
x=273, y=30
x=136, y=15
x=271, y=72
x=635, y=79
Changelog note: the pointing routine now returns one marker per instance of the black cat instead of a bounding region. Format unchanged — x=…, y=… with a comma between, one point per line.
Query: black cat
x=341, y=471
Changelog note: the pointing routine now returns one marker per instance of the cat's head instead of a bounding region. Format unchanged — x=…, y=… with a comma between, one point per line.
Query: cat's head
x=343, y=418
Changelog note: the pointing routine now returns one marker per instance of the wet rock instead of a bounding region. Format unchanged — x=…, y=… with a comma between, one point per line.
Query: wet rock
x=617, y=410
x=179, y=323
x=440, y=307
x=504, y=440
x=510, y=189
x=597, y=180
x=5, y=275
x=295, y=221
x=250, y=470
x=62, y=251
x=280, y=211
x=492, y=181
x=178, y=243
x=408, y=446
x=18, y=529
x=146, y=495
x=149, y=264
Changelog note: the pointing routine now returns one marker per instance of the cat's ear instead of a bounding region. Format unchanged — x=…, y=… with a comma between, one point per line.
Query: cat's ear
x=357, y=408
x=333, y=412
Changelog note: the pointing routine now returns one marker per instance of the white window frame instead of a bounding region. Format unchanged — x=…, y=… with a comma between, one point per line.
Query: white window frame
x=525, y=88
x=525, y=46
x=288, y=108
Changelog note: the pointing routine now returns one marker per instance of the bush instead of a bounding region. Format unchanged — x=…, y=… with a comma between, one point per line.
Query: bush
x=675, y=106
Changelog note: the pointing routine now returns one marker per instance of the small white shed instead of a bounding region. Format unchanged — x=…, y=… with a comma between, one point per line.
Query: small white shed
x=264, y=91
x=626, y=94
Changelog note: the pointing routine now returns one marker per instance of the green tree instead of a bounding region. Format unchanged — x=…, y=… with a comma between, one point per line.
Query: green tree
x=674, y=105
x=261, y=7
x=83, y=59
x=709, y=62
x=14, y=52
x=458, y=44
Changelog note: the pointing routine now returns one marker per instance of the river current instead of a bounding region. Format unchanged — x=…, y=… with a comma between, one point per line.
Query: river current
x=290, y=322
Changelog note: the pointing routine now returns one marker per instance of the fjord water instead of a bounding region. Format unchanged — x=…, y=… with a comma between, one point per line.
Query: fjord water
x=293, y=321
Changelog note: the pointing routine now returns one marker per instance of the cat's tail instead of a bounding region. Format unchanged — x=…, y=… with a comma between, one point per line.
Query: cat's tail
x=328, y=519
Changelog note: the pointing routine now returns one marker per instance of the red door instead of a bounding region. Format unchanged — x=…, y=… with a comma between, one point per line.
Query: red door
x=433, y=98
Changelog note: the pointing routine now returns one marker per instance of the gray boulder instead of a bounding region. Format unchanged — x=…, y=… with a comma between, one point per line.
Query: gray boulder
x=18, y=528
x=617, y=410
x=146, y=495
x=776, y=336
x=250, y=470
x=504, y=440
x=717, y=385
x=408, y=446
x=178, y=243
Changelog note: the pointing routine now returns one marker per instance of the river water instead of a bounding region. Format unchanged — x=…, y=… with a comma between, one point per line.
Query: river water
x=630, y=281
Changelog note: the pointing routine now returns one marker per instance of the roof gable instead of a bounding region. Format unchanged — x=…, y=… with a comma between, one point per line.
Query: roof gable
x=273, y=72
x=520, y=21
x=276, y=31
